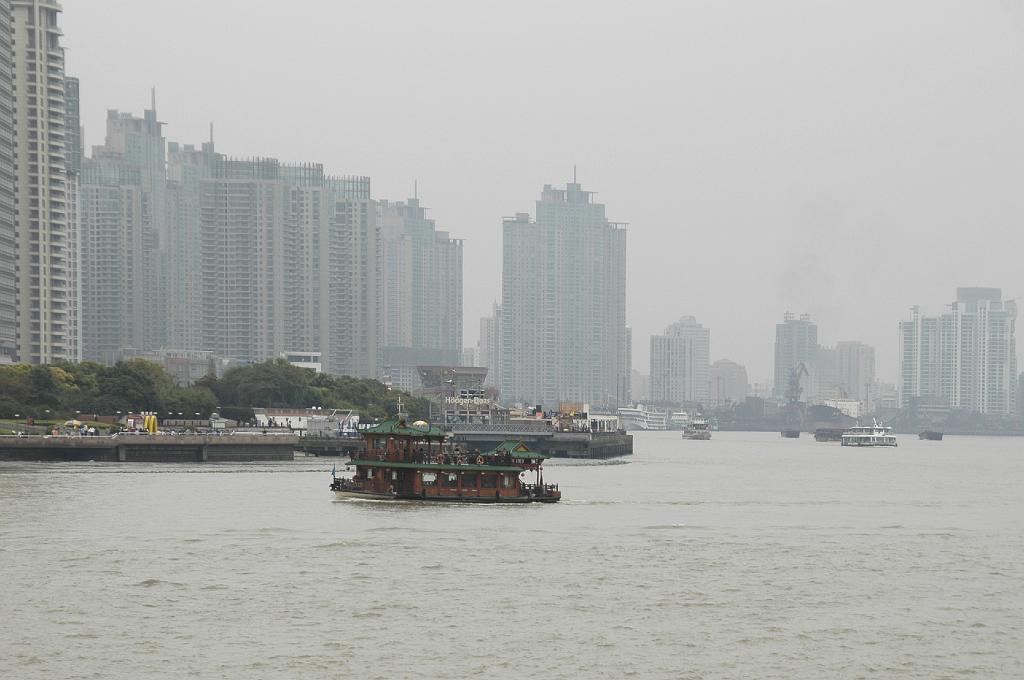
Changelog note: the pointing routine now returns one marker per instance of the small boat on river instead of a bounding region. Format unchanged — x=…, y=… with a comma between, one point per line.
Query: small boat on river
x=697, y=428
x=828, y=434
x=869, y=435
x=413, y=462
x=790, y=434
x=931, y=435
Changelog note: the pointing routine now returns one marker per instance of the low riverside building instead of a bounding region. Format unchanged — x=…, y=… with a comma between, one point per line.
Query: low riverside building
x=311, y=360
x=312, y=421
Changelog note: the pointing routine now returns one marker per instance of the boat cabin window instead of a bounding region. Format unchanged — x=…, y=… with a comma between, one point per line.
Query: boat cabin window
x=508, y=481
x=450, y=481
x=488, y=480
x=429, y=479
x=469, y=479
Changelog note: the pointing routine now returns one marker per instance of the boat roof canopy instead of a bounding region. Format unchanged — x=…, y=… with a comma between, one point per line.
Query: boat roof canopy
x=434, y=467
x=401, y=429
x=516, y=449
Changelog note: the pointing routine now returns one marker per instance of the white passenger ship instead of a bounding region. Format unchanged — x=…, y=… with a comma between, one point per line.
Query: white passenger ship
x=869, y=435
x=639, y=418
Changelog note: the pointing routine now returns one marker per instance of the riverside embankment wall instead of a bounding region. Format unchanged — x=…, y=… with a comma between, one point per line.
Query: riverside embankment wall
x=182, y=448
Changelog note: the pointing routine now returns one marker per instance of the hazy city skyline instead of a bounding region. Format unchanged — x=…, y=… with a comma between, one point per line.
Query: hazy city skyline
x=849, y=161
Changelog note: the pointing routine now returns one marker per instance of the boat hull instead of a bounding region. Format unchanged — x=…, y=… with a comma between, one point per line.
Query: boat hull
x=365, y=495
x=856, y=443
x=344, y=495
x=699, y=436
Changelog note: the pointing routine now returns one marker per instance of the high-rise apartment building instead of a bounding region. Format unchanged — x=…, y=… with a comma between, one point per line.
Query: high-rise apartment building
x=242, y=218
x=187, y=169
x=966, y=358
x=73, y=155
x=349, y=277
x=921, y=360
x=121, y=212
x=41, y=195
x=489, y=347
x=289, y=262
x=421, y=293
x=8, y=238
x=73, y=147
x=563, y=303
x=796, y=342
x=727, y=383
x=624, y=383
x=139, y=144
x=855, y=368
x=679, y=363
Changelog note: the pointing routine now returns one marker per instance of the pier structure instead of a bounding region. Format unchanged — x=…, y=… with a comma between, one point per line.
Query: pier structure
x=152, y=448
x=542, y=437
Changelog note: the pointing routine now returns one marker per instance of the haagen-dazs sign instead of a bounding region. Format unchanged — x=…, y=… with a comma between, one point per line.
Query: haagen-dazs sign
x=467, y=401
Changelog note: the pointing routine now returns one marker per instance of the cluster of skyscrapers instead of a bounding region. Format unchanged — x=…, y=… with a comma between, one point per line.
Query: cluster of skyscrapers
x=150, y=248
x=155, y=249
x=252, y=259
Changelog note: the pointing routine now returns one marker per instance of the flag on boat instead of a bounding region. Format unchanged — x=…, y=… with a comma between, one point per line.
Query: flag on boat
x=334, y=469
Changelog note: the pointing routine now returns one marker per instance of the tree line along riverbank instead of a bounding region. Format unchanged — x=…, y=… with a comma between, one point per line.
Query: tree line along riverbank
x=52, y=393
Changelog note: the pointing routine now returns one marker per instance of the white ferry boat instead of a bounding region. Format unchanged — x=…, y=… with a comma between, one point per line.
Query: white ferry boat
x=678, y=420
x=869, y=435
x=657, y=420
x=639, y=418
x=697, y=428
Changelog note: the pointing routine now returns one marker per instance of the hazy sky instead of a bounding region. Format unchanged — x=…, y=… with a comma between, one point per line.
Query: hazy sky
x=847, y=159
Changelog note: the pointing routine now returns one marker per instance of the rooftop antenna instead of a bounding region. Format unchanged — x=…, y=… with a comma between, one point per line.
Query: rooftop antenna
x=416, y=189
x=574, y=173
x=211, y=132
x=152, y=99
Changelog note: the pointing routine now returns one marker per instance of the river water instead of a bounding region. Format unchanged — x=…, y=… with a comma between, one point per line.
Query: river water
x=748, y=556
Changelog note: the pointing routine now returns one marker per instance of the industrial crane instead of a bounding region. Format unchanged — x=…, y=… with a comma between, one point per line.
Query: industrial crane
x=793, y=390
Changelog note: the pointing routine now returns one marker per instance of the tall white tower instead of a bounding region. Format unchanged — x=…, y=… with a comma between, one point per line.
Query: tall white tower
x=41, y=200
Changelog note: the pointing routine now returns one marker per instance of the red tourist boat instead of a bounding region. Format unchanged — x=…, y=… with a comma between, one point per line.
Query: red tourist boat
x=413, y=462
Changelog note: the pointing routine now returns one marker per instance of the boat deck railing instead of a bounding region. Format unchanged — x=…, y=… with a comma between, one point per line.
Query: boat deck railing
x=344, y=484
x=540, y=490
x=437, y=459
x=522, y=426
